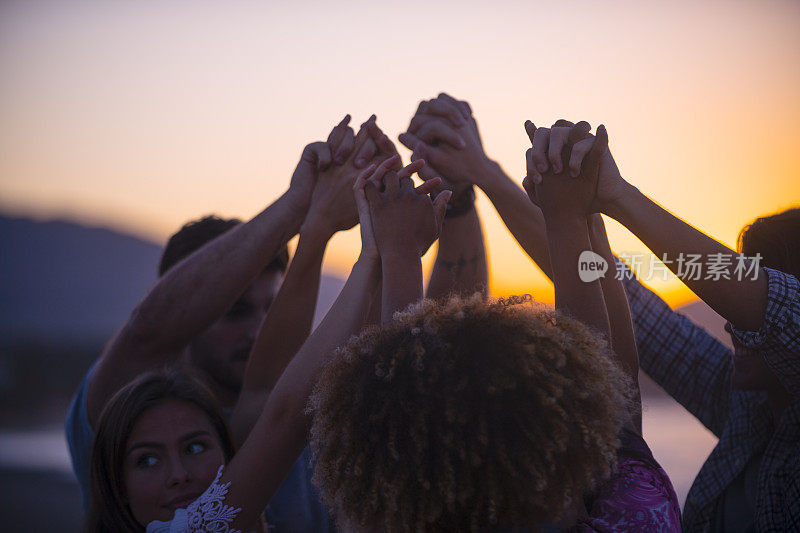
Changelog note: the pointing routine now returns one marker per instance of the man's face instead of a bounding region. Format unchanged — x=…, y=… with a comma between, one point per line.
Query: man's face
x=750, y=371
x=223, y=349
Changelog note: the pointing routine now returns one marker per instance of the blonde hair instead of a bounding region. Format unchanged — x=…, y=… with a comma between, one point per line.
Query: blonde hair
x=465, y=414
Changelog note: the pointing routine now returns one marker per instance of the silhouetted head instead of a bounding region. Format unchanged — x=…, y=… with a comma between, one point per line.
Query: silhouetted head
x=221, y=352
x=776, y=238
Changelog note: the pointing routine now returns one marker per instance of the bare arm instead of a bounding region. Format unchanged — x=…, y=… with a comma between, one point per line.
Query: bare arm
x=445, y=135
x=742, y=301
x=460, y=265
x=290, y=317
x=285, y=328
x=281, y=432
x=623, y=340
x=193, y=294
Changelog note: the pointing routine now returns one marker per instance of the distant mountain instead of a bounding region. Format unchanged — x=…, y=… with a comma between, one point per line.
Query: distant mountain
x=63, y=280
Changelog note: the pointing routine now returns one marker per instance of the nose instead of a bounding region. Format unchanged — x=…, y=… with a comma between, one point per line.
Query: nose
x=178, y=473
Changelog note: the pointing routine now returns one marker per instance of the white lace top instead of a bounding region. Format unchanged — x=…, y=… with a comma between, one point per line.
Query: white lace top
x=207, y=514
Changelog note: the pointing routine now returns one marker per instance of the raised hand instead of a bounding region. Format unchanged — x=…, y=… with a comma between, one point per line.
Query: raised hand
x=332, y=205
x=444, y=134
x=555, y=192
x=563, y=149
x=404, y=219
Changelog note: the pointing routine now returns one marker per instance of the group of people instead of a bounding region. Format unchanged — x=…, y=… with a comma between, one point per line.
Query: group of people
x=215, y=407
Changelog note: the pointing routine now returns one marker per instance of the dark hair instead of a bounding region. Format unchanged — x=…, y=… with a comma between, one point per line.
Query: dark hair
x=464, y=415
x=196, y=233
x=109, y=511
x=777, y=239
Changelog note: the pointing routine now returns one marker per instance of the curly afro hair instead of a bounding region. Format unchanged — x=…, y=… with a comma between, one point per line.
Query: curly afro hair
x=465, y=414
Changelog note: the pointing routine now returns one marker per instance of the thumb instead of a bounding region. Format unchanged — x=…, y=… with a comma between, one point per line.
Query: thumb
x=440, y=208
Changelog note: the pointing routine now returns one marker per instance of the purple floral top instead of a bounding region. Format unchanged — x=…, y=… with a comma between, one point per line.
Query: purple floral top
x=638, y=497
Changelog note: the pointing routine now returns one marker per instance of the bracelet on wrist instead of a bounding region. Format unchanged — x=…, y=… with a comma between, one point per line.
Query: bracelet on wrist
x=461, y=204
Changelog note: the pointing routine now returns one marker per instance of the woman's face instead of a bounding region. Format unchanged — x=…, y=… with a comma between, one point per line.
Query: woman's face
x=171, y=457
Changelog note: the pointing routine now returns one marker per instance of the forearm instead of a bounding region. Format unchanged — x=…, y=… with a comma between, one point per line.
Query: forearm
x=567, y=238
x=199, y=289
x=281, y=431
x=283, y=331
x=190, y=297
x=460, y=265
x=522, y=218
x=401, y=285
x=741, y=301
x=623, y=340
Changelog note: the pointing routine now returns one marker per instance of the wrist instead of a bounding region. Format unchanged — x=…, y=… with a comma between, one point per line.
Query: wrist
x=461, y=204
x=315, y=230
x=297, y=200
x=313, y=236
x=486, y=173
x=494, y=180
x=619, y=208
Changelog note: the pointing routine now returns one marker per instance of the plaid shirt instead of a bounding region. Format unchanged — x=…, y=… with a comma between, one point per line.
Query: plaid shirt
x=695, y=369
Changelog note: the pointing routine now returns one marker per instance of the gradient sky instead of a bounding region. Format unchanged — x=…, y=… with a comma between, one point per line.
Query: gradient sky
x=141, y=115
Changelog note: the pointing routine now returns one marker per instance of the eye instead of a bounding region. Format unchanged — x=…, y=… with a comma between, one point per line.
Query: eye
x=195, y=448
x=147, y=461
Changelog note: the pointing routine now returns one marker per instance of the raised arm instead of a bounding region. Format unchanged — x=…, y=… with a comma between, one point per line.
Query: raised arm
x=456, y=151
x=405, y=223
x=460, y=265
x=281, y=431
x=741, y=301
x=565, y=204
x=290, y=316
x=199, y=289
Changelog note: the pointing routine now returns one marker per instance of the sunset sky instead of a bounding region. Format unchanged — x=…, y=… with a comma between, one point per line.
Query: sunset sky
x=142, y=115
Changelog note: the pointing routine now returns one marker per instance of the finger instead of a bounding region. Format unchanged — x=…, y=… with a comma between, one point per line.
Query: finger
x=578, y=154
x=345, y=147
x=409, y=170
x=436, y=132
x=530, y=169
x=530, y=188
x=336, y=134
x=563, y=123
x=530, y=129
x=558, y=139
x=362, y=140
x=461, y=104
x=409, y=140
x=578, y=132
x=406, y=184
x=371, y=193
x=418, y=121
x=445, y=109
x=365, y=153
x=541, y=139
x=363, y=177
x=317, y=154
x=391, y=182
x=592, y=165
x=377, y=177
x=382, y=141
x=429, y=186
x=440, y=208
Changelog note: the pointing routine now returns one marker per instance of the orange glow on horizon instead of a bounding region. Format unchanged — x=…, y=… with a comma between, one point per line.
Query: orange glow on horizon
x=142, y=116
